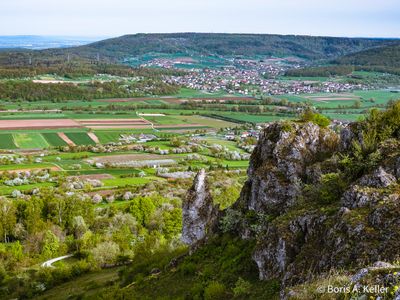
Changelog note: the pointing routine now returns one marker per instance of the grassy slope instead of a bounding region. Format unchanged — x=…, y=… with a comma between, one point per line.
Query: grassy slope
x=87, y=284
x=224, y=260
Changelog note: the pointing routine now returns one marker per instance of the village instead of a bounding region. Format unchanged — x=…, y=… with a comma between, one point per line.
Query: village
x=256, y=79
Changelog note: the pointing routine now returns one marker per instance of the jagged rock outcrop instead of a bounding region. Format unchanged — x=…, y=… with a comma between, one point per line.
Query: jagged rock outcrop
x=298, y=237
x=278, y=165
x=350, y=134
x=198, y=211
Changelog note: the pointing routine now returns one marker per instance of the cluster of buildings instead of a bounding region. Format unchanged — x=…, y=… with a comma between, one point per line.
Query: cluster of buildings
x=255, y=81
x=255, y=133
x=248, y=77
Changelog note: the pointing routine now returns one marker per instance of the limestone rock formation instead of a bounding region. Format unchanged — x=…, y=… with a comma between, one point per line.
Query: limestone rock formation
x=298, y=237
x=199, y=213
x=278, y=165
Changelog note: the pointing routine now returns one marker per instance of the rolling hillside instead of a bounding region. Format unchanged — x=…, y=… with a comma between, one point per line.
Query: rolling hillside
x=387, y=56
x=381, y=59
x=117, y=49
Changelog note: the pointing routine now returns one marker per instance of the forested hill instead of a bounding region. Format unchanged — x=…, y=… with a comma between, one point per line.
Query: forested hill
x=206, y=43
x=386, y=56
x=233, y=44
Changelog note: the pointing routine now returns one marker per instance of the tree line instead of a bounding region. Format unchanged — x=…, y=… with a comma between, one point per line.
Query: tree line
x=30, y=91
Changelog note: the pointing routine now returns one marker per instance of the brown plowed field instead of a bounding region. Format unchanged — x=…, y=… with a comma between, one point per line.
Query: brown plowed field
x=115, y=123
x=118, y=126
x=129, y=157
x=180, y=125
x=38, y=124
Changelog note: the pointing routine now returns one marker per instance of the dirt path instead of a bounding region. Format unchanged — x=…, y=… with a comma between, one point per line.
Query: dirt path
x=66, y=139
x=151, y=123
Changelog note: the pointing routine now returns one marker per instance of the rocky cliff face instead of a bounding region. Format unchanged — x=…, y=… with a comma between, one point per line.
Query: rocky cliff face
x=298, y=235
x=279, y=165
x=199, y=213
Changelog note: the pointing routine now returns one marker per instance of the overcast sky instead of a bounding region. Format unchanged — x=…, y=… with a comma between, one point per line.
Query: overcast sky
x=363, y=18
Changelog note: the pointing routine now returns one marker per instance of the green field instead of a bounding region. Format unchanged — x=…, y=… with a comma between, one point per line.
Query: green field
x=121, y=182
x=30, y=116
x=53, y=139
x=7, y=141
x=80, y=138
x=87, y=284
x=164, y=120
x=252, y=118
x=368, y=99
x=108, y=136
x=6, y=190
x=190, y=93
x=30, y=141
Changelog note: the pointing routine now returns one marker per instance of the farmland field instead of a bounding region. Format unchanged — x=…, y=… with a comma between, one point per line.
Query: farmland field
x=54, y=139
x=121, y=182
x=80, y=138
x=252, y=118
x=108, y=136
x=37, y=124
x=30, y=141
x=7, y=141
x=367, y=99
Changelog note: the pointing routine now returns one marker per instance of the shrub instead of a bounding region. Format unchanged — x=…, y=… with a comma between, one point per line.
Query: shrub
x=188, y=269
x=242, y=287
x=105, y=253
x=321, y=120
x=287, y=126
x=197, y=291
x=214, y=290
x=230, y=220
x=318, y=119
x=331, y=188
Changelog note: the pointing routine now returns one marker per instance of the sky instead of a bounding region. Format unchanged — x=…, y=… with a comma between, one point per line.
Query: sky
x=353, y=18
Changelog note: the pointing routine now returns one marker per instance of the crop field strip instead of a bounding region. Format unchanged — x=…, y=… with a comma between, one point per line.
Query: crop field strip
x=38, y=124
x=7, y=141
x=65, y=138
x=108, y=136
x=54, y=139
x=80, y=138
x=30, y=141
x=113, y=122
